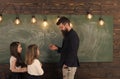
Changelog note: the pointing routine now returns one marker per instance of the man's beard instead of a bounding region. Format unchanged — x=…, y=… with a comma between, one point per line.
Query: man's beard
x=64, y=33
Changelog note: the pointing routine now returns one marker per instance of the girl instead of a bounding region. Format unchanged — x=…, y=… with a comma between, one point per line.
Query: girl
x=34, y=66
x=17, y=66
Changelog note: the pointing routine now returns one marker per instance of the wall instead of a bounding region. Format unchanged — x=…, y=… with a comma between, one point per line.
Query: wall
x=98, y=70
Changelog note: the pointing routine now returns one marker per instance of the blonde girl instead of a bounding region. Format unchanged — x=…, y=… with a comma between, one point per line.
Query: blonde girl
x=34, y=66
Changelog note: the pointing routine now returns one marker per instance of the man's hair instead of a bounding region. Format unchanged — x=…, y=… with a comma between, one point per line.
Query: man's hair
x=63, y=20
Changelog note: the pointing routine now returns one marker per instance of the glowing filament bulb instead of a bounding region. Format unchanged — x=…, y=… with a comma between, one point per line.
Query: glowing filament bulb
x=71, y=25
x=58, y=18
x=33, y=20
x=17, y=20
x=101, y=21
x=45, y=23
x=1, y=17
x=89, y=15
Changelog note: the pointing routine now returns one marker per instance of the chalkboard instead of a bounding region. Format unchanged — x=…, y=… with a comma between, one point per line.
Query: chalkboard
x=96, y=42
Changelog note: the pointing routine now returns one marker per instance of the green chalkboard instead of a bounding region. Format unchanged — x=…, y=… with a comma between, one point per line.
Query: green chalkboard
x=96, y=42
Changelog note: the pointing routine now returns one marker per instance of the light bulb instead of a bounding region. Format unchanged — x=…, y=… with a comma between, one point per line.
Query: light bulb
x=45, y=23
x=71, y=25
x=1, y=17
x=89, y=15
x=101, y=21
x=58, y=18
x=33, y=20
x=17, y=20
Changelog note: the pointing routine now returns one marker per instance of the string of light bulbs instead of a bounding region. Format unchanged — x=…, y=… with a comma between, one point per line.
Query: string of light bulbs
x=90, y=16
x=34, y=20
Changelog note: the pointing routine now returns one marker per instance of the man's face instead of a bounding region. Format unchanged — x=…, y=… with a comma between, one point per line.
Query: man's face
x=62, y=27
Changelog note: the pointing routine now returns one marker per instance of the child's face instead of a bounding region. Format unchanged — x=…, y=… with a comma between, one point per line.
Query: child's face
x=38, y=52
x=19, y=49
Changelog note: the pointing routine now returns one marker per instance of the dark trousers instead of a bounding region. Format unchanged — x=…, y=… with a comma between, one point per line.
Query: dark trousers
x=14, y=75
x=33, y=77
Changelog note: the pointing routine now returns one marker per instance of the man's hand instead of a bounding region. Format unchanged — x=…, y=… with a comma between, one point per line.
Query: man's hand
x=53, y=47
